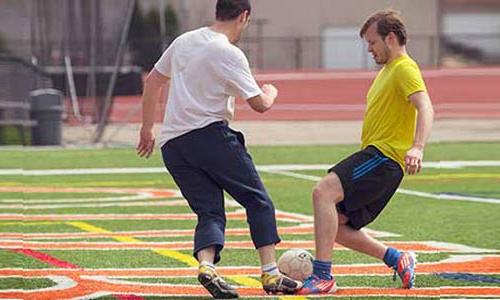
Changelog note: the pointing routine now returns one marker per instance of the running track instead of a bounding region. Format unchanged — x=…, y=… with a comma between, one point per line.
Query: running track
x=456, y=93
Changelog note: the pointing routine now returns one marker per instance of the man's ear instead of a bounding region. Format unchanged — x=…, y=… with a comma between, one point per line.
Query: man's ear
x=243, y=16
x=391, y=39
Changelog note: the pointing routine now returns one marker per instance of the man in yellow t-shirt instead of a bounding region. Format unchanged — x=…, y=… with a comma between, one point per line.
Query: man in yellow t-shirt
x=397, y=124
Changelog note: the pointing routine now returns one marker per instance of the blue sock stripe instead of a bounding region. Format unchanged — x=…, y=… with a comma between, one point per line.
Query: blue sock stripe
x=323, y=263
x=365, y=163
x=322, y=269
x=368, y=170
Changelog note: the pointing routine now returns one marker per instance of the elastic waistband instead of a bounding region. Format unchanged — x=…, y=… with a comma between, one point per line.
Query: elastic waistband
x=194, y=131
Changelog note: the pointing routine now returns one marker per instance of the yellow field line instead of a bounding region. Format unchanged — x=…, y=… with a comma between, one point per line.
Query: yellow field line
x=187, y=259
x=455, y=176
x=246, y=281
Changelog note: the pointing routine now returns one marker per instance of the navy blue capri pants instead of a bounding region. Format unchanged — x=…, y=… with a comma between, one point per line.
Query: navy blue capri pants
x=204, y=163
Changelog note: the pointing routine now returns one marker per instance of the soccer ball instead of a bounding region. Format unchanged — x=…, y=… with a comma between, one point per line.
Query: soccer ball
x=296, y=264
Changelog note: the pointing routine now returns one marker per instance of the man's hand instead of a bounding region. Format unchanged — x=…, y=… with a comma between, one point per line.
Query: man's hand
x=146, y=142
x=413, y=160
x=270, y=90
x=263, y=102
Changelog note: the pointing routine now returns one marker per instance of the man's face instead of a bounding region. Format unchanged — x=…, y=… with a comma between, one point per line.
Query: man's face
x=377, y=45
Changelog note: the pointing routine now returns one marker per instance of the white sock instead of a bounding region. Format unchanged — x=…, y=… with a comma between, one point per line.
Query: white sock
x=207, y=264
x=271, y=269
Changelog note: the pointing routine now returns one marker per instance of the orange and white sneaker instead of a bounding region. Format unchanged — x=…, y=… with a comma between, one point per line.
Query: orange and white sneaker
x=315, y=285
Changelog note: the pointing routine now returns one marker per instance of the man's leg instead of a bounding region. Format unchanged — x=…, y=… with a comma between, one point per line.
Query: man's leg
x=359, y=240
x=232, y=168
x=207, y=255
x=205, y=198
x=326, y=194
x=402, y=262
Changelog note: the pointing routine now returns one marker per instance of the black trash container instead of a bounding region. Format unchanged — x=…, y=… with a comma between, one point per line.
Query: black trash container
x=46, y=110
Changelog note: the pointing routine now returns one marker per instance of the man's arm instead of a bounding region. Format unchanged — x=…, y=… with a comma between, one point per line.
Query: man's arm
x=413, y=159
x=264, y=101
x=154, y=85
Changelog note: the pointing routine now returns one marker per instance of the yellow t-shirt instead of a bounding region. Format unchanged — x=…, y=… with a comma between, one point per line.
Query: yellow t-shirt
x=390, y=118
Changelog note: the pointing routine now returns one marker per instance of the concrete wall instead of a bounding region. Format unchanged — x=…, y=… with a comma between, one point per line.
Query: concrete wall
x=287, y=33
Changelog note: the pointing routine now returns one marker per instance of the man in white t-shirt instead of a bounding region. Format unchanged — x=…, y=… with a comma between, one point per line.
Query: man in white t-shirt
x=205, y=157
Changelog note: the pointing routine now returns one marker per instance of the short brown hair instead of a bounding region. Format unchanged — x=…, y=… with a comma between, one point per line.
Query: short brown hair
x=388, y=20
x=226, y=10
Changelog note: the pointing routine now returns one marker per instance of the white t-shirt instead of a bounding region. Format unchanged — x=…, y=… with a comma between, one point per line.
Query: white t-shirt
x=206, y=73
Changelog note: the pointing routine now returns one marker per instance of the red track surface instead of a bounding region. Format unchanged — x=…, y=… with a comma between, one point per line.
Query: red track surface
x=456, y=93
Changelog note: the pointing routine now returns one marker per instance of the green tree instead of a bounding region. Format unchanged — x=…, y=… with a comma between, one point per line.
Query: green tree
x=145, y=39
x=171, y=24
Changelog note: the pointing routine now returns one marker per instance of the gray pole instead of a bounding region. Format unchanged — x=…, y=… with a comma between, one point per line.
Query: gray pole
x=91, y=83
x=103, y=118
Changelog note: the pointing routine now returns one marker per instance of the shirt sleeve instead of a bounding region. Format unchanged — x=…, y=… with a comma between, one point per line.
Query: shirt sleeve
x=164, y=64
x=235, y=71
x=410, y=80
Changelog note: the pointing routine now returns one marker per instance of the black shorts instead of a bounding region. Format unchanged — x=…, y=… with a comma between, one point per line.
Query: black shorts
x=369, y=180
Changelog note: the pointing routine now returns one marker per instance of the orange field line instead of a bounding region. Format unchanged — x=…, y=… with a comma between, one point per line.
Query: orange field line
x=238, y=215
x=187, y=245
x=481, y=264
x=89, y=286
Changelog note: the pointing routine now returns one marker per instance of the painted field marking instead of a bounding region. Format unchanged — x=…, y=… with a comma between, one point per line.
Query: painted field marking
x=22, y=223
x=454, y=176
x=234, y=215
x=139, y=196
x=91, y=281
x=303, y=228
x=129, y=243
x=43, y=257
x=449, y=197
x=400, y=190
x=164, y=251
x=61, y=283
x=298, y=218
x=475, y=264
x=92, y=205
x=281, y=167
x=187, y=259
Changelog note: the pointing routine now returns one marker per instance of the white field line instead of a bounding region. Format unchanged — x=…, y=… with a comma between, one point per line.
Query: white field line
x=281, y=167
x=147, y=203
x=139, y=196
x=402, y=191
x=449, y=197
x=61, y=283
x=113, y=204
x=431, y=246
x=297, y=229
x=253, y=270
